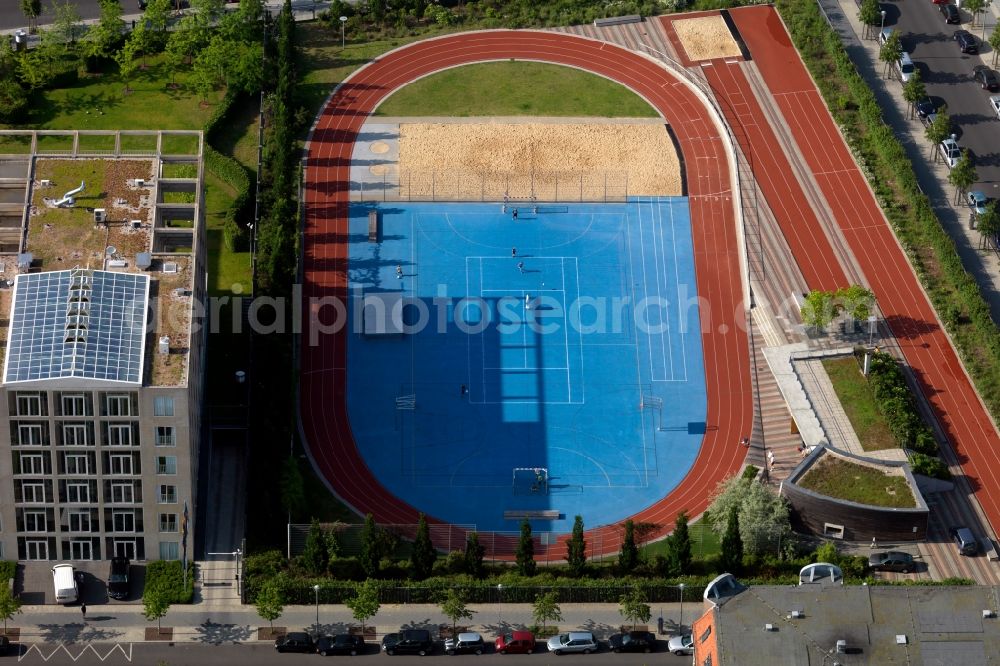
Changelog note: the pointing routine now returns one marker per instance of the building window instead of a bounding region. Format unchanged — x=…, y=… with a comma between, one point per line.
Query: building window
x=75, y=434
x=78, y=492
x=121, y=463
x=36, y=549
x=79, y=521
x=122, y=492
x=118, y=405
x=167, y=495
x=163, y=405
x=81, y=549
x=34, y=521
x=77, y=463
x=74, y=404
x=33, y=463
x=168, y=522
x=30, y=404
x=165, y=436
x=30, y=434
x=32, y=492
x=166, y=464
x=169, y=550
x=122, y=521
x=119, y=434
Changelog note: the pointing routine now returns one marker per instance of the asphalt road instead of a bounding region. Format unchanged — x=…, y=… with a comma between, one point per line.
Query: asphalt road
x=947, y=74
x=93, y=654
x=11, y=16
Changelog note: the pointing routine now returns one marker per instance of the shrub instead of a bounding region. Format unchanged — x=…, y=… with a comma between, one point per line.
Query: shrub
x=931, y=466
x=167, y=577
x=7, y=571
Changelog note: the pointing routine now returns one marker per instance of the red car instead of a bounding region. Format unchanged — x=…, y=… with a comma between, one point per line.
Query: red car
x=940, y=2
x=516, y=642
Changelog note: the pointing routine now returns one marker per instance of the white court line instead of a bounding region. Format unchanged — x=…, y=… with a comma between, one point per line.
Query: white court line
x=661, y=275
x=677, y=278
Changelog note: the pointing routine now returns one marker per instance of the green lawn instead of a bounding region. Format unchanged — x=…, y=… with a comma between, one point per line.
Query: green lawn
x=98, y=102
x=846, y=480
x=516, y=89
x=225, y=268
x=859, y=404
x=704, y=542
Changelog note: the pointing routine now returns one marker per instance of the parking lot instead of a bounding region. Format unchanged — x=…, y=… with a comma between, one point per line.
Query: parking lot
x=34, y=583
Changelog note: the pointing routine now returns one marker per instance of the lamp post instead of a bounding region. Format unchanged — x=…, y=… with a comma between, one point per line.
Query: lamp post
x=681, y=622
x=316, y=590
x=883, y=21
x=499, y=605
x=343, y=22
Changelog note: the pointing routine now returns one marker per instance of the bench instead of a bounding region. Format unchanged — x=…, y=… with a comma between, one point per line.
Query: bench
x=550, y=514
x=617, y=20
x=990, y=550
x=373, y=226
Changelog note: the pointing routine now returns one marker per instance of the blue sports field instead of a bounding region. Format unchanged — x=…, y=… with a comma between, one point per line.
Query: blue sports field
x=547, y=363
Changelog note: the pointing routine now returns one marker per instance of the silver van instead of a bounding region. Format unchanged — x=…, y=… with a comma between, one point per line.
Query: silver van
x=905, y=67
x=64, y=582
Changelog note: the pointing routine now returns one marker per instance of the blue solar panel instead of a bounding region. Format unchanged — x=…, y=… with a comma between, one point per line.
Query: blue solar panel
x=79, y=323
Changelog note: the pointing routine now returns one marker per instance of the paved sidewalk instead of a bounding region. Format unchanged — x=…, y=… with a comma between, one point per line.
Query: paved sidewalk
x=125, y=623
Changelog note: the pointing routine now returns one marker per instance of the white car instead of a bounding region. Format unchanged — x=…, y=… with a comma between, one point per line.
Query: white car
x=951, y=152
x=995, y=104
x=681, y=644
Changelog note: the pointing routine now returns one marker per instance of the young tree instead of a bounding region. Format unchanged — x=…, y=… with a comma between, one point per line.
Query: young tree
x=13, y=99
x=762, y=515
x=270, y=601
x=869, y=14
x=208, y=11
x=890, y=53
x=634, y=608
x=315, y=556
x=988, y=225
x=731, y=558
x=371, y=555
x=126, y=68
x=155, y=606
x=453, y=607
x=856, y=301
x=293, y=494
x=938, y=131
x=576, y=549
x=364, y=605
x=628, y=558
x=817, y=309
x=474, y=552
x=974, y=7
x=157, y=15
x=104, y=38
x=423, y=555
x=31, y=10
x=963, y=175
x=67, y=21
x=525, y=554
x=679, y=545
x=914, y=90
x=142, y=41
x=546, y=608
x=994, y=41
x=9, y=606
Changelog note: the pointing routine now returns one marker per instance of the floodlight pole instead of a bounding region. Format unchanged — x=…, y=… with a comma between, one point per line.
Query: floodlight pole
x=499, y=605
x=343, y=22
x=680, y=623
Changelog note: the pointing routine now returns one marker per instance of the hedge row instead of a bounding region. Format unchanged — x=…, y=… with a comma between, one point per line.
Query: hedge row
x=896, y=402
x=167, y=576
x=953, y=291
x=234, y=173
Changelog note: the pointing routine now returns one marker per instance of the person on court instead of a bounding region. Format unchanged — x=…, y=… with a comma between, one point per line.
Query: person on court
x=520, y=266
x=513, y=252
x=399, y=272
x=515, y=214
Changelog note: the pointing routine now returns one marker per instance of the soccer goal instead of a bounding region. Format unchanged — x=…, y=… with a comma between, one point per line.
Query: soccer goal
x=530, y=481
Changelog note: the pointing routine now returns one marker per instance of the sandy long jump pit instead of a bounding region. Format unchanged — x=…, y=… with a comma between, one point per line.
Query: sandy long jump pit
x=479, y=159
x=706, y=37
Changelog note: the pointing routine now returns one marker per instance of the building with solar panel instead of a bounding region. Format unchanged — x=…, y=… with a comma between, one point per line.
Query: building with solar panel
x=103, y=357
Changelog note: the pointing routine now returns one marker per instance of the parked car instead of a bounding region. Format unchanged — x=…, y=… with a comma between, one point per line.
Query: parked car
x=885, y=34
x=926, y=107
x=965, y=540
x=633, y=641
x=295, y=641
x=574, y=642
x=966, y=41
x=4, y=646
x=516, y=642
x=408, y=641
x=905, y=67
x=929, y=119
x=340, y=644
x=891, y=560
x=995, y=104
x=950, y=13
x=681, y=644
x=977, y=201
x=986, y=78
x=467, y=642
x=65, y=582
x=951, y=152
x=118, y=579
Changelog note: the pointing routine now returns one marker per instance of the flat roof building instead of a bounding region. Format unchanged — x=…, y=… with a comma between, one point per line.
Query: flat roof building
x=102, y=277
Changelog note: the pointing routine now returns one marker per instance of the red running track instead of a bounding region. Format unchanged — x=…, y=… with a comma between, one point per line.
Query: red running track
x=907, y=309
x=323, y=412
